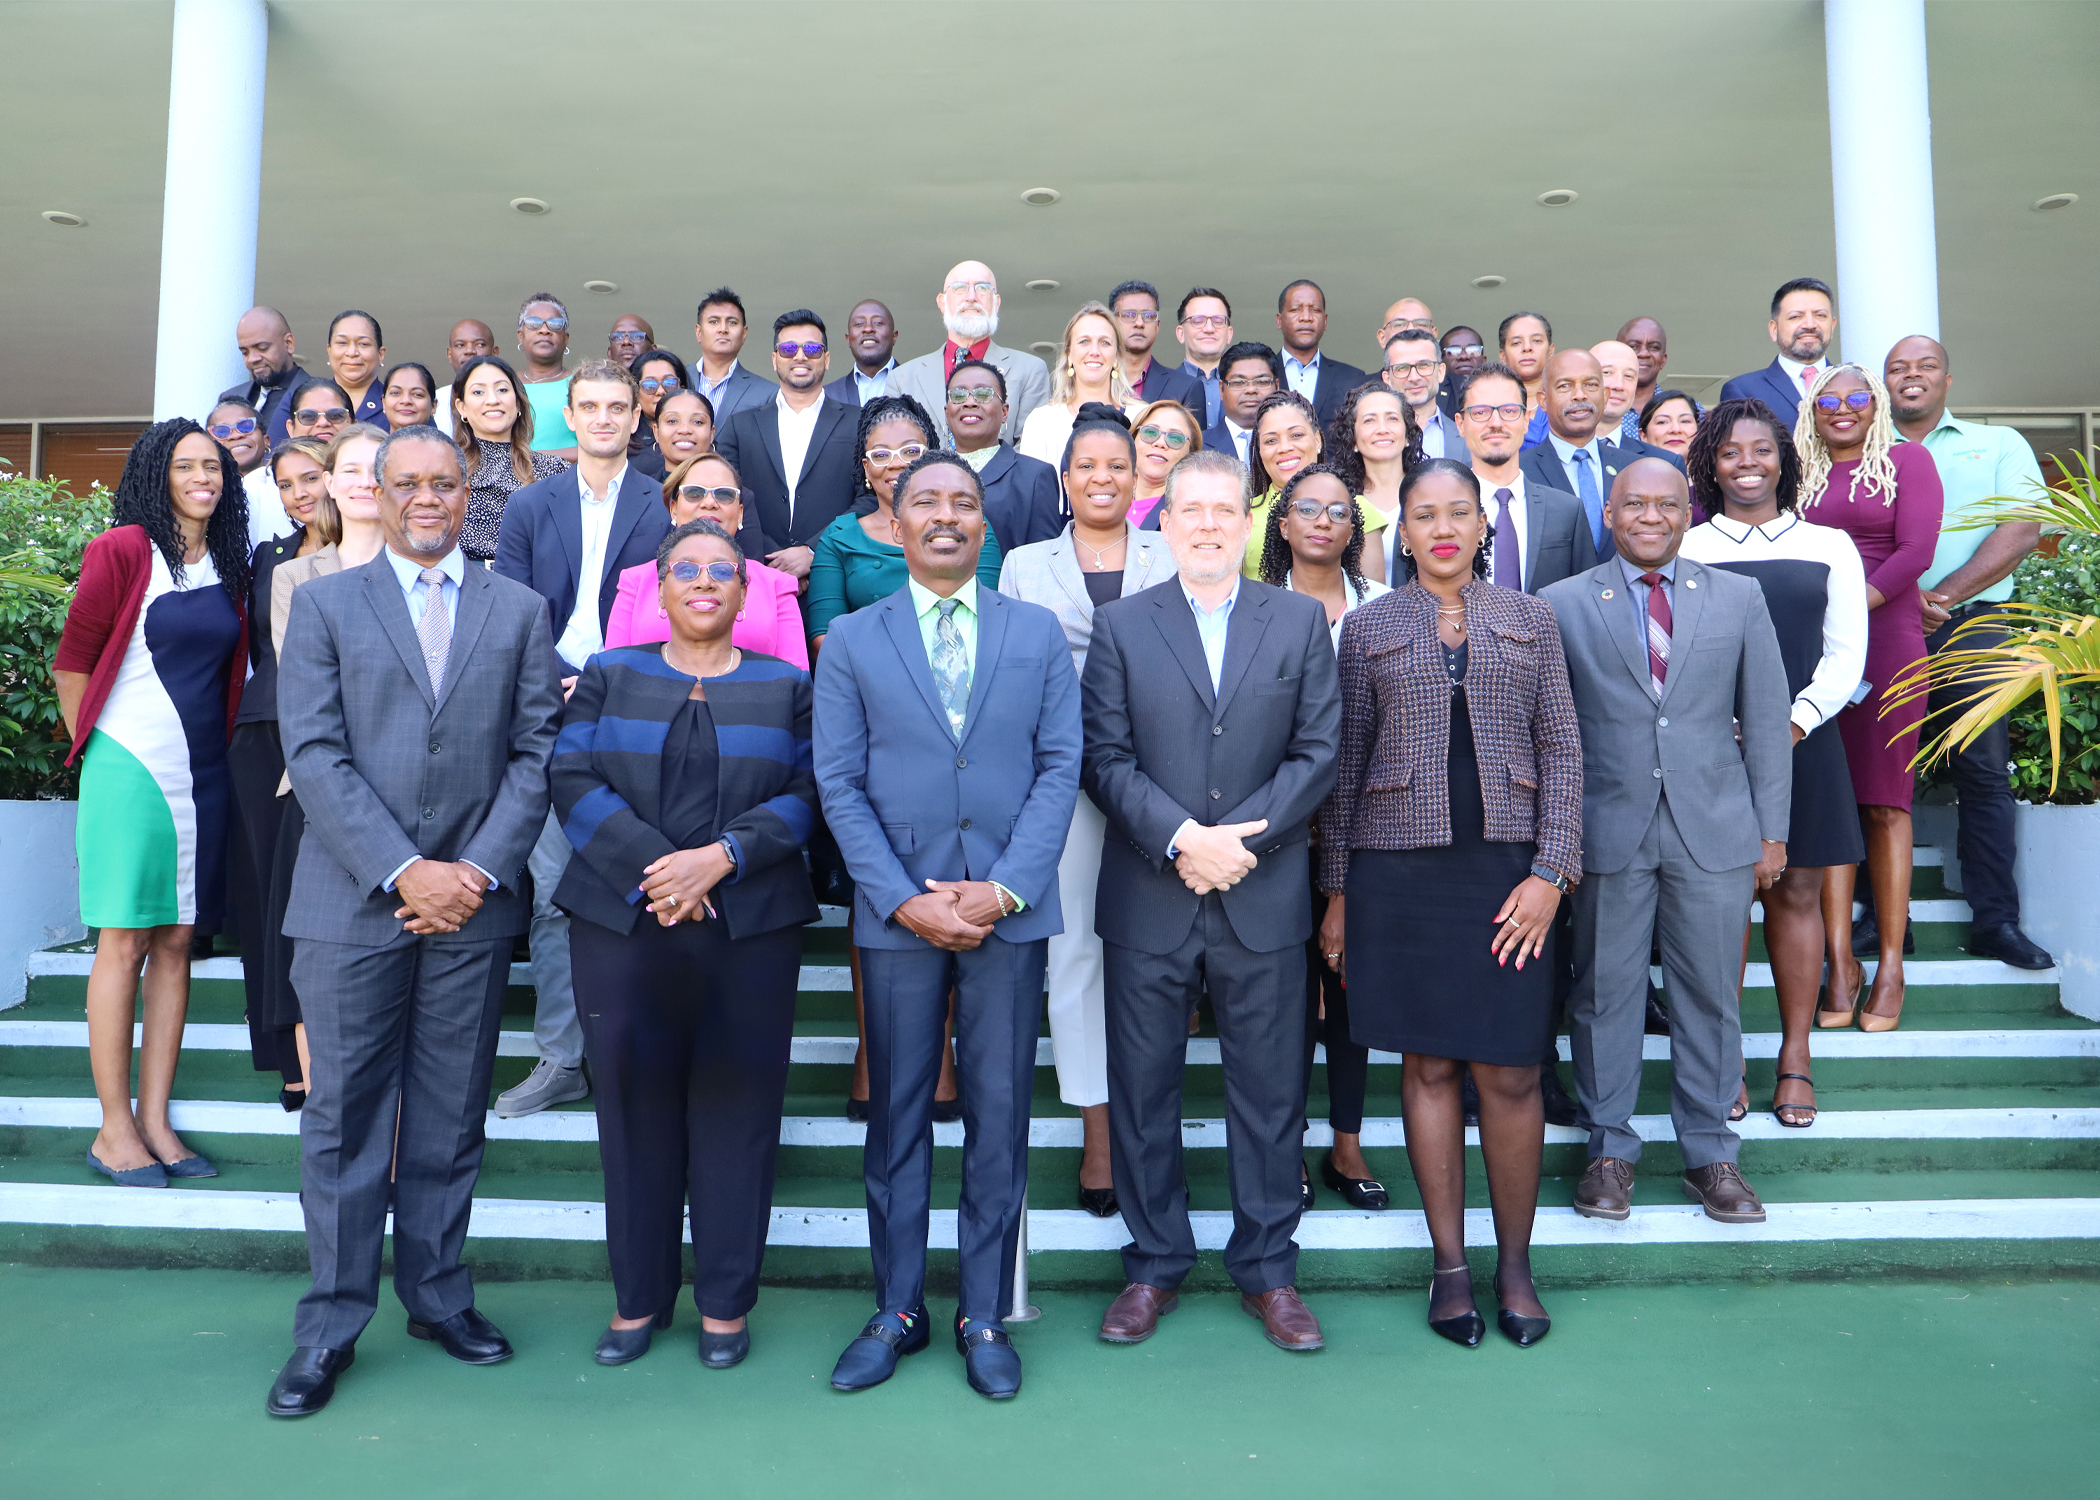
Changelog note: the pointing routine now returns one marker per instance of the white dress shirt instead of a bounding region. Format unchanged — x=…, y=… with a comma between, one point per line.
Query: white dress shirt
x=584, y=636
x=1239, y=437
x=1794, y=369
x=871, y=386
x=266, y=514
x=797, y=429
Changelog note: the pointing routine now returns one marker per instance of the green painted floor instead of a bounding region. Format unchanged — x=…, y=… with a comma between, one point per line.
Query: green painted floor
x=145, y=1384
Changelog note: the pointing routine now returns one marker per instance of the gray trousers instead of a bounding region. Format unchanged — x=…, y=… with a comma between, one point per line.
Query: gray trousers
x=402, y=1033
x=1698, y=917
x=555, y=1030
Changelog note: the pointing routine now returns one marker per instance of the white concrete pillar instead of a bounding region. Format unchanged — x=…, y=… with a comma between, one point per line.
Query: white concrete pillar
x=212, y=201
x=1881, y=175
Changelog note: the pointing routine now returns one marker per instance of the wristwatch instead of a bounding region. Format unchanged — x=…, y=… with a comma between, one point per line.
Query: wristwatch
x=1553, y=878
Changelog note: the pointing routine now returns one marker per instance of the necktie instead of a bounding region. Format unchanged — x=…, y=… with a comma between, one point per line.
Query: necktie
x=1592, y=501
x=434, y=630
x=1808, y=377
x=1658, y=631
x=951, y=665
x=1509, y=573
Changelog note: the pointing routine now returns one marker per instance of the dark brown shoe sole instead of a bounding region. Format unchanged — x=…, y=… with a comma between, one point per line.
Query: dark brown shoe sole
x=1123, y=1338
x=1591, y=1211
x=1716, y=1214
x=1287, y=1348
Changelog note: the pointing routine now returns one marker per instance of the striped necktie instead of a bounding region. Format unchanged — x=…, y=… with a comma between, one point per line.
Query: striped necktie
x=434, y=630
x=1659, y=623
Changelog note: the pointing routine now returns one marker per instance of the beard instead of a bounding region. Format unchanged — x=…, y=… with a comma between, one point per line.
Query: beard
x=969, y=327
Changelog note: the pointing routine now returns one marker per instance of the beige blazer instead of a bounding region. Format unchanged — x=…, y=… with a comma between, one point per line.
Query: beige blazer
x=288, y=576
x=1048, y=573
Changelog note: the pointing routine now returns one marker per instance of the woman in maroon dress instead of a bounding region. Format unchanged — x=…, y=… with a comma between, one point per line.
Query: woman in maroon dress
x=1860, y=477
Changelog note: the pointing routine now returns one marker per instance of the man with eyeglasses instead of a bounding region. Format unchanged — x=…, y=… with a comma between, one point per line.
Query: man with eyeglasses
x=630, y=335
x=1651, y=347
x=720, y=328
x=1203, y=328
x=1023, y=501
x=871, y=338
x=1572, y=457
x=234, y=422
x=543, y=338
x=469, y=337
x=1804, y=321
x=969, y=308
x=1136, y=308
x=1540, y=537
x=1415, y=371
x=1464, y=352
x=794, y=453
x=1301, y=317
x=274, y=378
x=1249, y=374
x=1408, y=312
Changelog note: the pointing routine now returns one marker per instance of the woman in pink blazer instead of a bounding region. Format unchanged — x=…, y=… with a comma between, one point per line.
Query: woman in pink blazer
x=772, y=619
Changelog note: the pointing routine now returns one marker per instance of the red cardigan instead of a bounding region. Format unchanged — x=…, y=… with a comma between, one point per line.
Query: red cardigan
x=113, y=575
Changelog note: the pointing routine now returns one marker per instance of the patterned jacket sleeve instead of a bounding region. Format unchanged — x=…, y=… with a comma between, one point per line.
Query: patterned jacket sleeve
x=1359, y=734
x=601, y=826
x=1556, y=743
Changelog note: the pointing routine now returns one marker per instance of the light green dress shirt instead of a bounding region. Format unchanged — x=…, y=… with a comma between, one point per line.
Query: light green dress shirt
x=1976, y=461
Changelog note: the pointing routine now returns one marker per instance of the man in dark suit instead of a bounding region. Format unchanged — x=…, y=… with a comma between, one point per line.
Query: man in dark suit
x=1464, y=351
x=1136, y=308
x=871, y=340
x=1212, y=718
x=1573, y=458
x=567, y=538
x=1539, y=533
x=1023, y=500
x=1301, y=317
x=274, y=380
x=795, y=452
x=720, y=330
x=955, y=874
x=418, y=699
x=1803, y=322
x=1248, y=374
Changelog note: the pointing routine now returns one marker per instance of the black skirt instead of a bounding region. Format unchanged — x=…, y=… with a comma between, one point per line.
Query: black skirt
x=1422, y=977
x=1823, y=828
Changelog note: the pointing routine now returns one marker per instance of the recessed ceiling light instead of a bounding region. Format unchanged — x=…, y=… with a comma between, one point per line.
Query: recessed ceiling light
x=602, y=288
x=1041, y=197
x=1043, y=347
x=529, y=205
x=65, y=220
x=2041, y=205
x=1485, y=283
x=1558, y=197
x=1042, y=284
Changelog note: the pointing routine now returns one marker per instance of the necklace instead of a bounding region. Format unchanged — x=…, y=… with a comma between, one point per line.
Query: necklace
x=1101, y=553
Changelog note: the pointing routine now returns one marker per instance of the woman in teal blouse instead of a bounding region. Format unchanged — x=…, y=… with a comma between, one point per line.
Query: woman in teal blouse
x=856, y=563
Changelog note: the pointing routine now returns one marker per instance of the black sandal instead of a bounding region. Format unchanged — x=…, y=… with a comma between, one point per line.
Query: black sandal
x=1777, y=1106
x=1741, y=1108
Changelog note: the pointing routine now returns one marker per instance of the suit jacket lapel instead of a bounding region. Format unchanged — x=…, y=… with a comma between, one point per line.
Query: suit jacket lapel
x=903, y=626
x=568, y=522
x=1139, y=559
x=467, y=623
x=384, y=590
x=1608, y=594
x=829, y=415
x=1177, y=623
x=1250, y=617
x=991, y=635
x=1534, y=539
x=1687, y=604
x=1064, y=567
x=627, y=510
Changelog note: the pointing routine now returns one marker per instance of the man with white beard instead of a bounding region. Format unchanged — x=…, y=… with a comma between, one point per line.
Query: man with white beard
x=969, y=305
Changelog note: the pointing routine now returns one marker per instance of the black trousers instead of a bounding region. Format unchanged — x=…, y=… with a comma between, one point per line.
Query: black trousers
x=1258, y=1002
x=257, y=897
x=1348, y=1063
x=1985, y=838
x=688, y=1032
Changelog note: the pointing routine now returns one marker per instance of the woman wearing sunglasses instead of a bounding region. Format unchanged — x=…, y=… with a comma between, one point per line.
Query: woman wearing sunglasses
x=707, y=488
x=319, y=411
x=685, y=900
x=1166, y=434
x=239, y=428
x=661, y=375
x=1859, y=477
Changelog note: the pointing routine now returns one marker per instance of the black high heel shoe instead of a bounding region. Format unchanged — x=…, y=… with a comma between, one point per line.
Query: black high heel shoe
x=1518, y=1329
x=1468, y=1328
x=619, y=1346
x=1357, y=1192
x=1100, y=1202
x=725, y=1351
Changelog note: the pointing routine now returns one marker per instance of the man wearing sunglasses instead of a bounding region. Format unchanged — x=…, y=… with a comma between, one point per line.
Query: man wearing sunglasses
x=1415, y=370
x=630, y=335
x=1804, y=321
x=794, y=453
x=1023, y=502
x=969, y=307
x=274, y=379
x=1136, y=308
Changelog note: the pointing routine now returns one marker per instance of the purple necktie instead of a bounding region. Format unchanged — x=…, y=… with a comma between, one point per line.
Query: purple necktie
x=1509, y=568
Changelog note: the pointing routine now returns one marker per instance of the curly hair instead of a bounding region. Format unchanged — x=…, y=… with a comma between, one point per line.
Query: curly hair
x=1483, y=558
x=1276, y=552
x=1341, y=449
x=1875, y=473
x=1259, y=480
x=142, y=500
x=1701, y=457
x=880, y=410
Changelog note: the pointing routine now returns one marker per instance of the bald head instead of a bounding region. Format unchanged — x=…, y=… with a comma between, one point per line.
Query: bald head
x=1622, y=376
x=1574, y=394
x=1408, y=312
x=1648, y=511
x=266, y=344
x=1917, y=377
x=969, y=301
x=469, y=337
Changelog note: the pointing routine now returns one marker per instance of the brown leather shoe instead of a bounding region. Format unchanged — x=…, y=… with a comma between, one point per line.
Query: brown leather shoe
x=1285, y=1321
x=1134, y=1316
x=1721, y=1191
x=1606, y=1189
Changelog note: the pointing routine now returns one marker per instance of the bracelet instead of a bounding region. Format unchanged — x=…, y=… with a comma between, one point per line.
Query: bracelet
x=999, y=891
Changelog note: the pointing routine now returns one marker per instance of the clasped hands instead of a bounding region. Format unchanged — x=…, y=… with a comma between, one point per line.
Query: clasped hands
x=953, y=914
x=677, y=885
x=439, y=895
x=1215, y=859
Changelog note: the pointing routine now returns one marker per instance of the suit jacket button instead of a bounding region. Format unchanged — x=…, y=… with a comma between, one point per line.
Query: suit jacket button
x=1217, y=729
x=1215, y=794
x=965, y=825
x=431, y=812
x=961, y=761
x=1658, y=773
x=433, y=747
x=1659, y=724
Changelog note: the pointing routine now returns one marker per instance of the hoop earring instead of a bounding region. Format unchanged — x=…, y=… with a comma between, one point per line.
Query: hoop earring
x=1406, y=551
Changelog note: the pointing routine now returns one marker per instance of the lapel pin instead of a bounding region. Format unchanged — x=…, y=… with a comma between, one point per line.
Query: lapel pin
x=1691, y=583
x=1607, y=593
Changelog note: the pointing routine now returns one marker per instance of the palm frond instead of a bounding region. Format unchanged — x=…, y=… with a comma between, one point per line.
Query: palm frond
x=2072, y=505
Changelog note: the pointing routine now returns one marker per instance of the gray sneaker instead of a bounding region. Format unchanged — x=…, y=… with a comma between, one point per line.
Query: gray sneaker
x=548, y=1084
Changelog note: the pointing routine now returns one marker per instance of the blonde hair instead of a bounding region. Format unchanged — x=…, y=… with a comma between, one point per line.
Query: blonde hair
x=1061, y=383
x=1152, y=409
x=1876, y=472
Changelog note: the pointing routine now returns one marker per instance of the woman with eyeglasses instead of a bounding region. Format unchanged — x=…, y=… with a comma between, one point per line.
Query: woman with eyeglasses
x=407, y=395
x=1372, y=442
x=707, y=489
x=543, y=380
x=1286, y=437
x=319, y=411
x=661, y=375
x=686, y=900
x=1670, y=420
x=1090, y=368
x=1860, y=477
x=492, y=423
x=356, y=353
x=1166, y=433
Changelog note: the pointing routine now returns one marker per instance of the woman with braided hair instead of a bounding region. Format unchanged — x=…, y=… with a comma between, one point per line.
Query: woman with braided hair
x=1859, y=477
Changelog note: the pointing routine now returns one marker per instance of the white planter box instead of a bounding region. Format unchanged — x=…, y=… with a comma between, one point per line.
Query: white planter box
x=2059, y=876
x=39, y=888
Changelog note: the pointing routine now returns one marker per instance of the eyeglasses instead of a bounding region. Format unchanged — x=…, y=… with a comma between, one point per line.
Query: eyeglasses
x=1138, y=315
x=552, y=325
x=1150, y=434
x=307, y=416
x=1206, y=320
x=882, y=458
x=790, y=349
x=685, y=570
x=1251, y=382
x=1312, y=510
x=1511, y=413
x=1396, y=324
x=1419, y=367
x=666, y=383
x=721, y=494
x=965, y=395
x=1858, y=401
x=223, y=430
x=986, y=287
x=1470, y=351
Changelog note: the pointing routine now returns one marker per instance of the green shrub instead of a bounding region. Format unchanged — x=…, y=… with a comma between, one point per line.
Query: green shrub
x=43, y=530
x=2069, y=581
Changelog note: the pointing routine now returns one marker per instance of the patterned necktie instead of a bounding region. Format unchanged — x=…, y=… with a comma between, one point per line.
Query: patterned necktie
x=434, y=630
x=1659, y=623
x=1509, y=574
x=1592, y=500
x=951, y=665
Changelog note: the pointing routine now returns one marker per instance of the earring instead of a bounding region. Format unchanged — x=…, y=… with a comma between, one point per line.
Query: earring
x=1406, y=551
x=740, y=617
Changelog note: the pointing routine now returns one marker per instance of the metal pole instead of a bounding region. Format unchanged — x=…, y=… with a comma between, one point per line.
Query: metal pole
x=1024, y=1311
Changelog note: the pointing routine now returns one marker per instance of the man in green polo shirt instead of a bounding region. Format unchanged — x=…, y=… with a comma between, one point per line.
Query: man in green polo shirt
x=1970, y=578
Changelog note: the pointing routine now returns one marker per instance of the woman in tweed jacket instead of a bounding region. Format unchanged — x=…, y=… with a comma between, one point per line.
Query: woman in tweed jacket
x=1454, y=828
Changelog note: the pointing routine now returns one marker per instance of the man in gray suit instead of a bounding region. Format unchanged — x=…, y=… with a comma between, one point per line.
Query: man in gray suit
x=1687, y=783
x=418, y=699
x=969, y=304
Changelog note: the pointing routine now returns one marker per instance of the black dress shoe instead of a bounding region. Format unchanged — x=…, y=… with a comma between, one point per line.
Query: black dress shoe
x=2009, y=945
x=857, y=1110
x=467, y=1336
x=1866, y=936
x=725, y=1351
x=1100, y=1202
x=872, y=1356
x=1357, y=1192
x=989, y=1361
x=1468, y=1098
x=1517, y=1328
x=1468, y=1328
x=307, y=1380
x=947, y=1111
x=620, y=1346
x=1560, y=1109
x=1305, y=1191
x=1656, y=1020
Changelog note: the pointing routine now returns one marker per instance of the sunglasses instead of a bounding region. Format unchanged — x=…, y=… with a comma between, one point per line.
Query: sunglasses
x=965, y=395
x=307, y=416
x=629, y=336
x=1312, y=510
x=685, y=570
x=552, y=325
x=790, y=349
x=1858, y=401
x=1511, y=413
x=721, y=494
x=882, y=458
x=1150, y=434
x=224, y=430
x=1471, y=351
x=668, y=383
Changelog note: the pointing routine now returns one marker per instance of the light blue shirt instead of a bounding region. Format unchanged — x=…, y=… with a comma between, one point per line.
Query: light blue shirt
x=1976, y=462
x=1595, y=449
x=414, y=590
x=1638, y=593
x=1211, y=629
x=712, y=390
x=1303, y=378
x=871, y=386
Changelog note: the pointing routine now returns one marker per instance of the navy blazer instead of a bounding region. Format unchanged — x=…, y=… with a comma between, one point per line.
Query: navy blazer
x=1023, y=500
x=750, y=440
x=1173, y=383
x=541, y=542
x=1542, y=466
x=909, y=803
x=607, y=780
x=1336, y=381
x=1771, y=385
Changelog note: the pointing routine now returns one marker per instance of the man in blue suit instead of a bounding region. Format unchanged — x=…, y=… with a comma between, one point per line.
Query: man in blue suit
x=947, y=757
x=1804, y=321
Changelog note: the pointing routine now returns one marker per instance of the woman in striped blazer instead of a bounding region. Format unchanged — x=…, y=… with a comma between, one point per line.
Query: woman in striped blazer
x=682, y=776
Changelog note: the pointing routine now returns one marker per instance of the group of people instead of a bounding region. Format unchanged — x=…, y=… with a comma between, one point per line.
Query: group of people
x=1413, y=711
